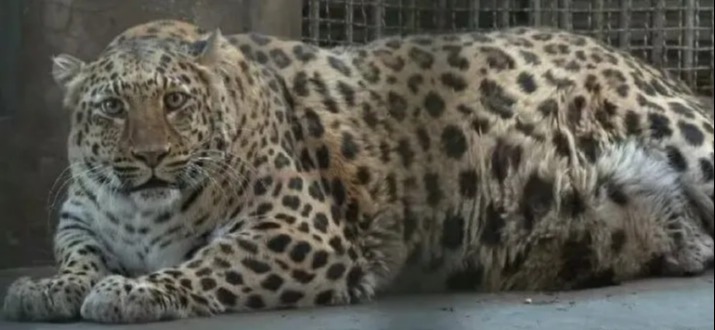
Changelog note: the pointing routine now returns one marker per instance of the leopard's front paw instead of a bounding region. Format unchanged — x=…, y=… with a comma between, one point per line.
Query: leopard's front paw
x=52, y=299
x=117, y=299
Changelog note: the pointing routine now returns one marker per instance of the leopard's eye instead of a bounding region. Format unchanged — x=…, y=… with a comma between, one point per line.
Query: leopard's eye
x=113, y=107
x=175, y=100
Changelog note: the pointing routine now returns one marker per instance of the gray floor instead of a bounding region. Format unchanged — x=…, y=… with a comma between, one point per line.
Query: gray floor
x=649, y=305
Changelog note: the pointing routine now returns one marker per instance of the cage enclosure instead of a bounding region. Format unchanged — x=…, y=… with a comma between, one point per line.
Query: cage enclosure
x=676, y=35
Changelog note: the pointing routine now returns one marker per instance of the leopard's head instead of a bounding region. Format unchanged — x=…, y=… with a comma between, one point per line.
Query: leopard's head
x=153, y=117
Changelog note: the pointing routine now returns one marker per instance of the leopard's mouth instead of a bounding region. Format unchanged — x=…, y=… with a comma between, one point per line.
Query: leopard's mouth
x=153, y=183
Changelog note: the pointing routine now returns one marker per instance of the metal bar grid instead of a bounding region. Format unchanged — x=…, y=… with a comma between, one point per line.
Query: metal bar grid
x=676, y=35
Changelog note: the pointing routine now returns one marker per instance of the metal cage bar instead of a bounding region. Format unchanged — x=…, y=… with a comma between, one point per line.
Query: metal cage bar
x=676, y=35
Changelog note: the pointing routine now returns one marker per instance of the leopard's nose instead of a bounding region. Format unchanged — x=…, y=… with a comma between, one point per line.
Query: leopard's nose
x=152, y=155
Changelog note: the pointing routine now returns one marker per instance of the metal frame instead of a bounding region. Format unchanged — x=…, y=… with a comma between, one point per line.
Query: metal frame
x=676, y=35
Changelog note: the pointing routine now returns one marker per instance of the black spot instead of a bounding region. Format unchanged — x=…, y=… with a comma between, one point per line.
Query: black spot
x=423, y=58
x=589, y=147
x=691, y=133
x=613, y=76
x=266, y=225
x=339, y=65
x=616, y=194
x=618, y=240
x=363, y=175
x=454, y=81
x=280, y=58
x=302, y=276
x=423, y=138
x=434, y=104
x=290, y=297
x=414, y=82
x=300, y=84
x=226, y=297
x=316, y=191
x=337, y=244
x=300, y=251
x=659, y=126
x=497, y=59
x=272, y=282
x=278, y=243
x=261, y=186
x=575, y=111
x=707, y=168
x=261, y=57
x=676, y=159
x=530, y=58
x=335, y=271
x=455, y=59
x=354, y=276
x=323, y=157
x=434, y=192
x=592, y=84
x=405, y=152
x=537, y=199
x=256, y=266
x=505, y=157
x=622, y=90
x=526, y=82
x=681, y=109
x=561, y=143
x=255, y=302
x=303, y=54
x=493, y=225
x=349, y=147
x=347, y=92
x=320, y=222
x=291, y=202
x=339, y=193
x=207, y=283
x=454, y=143
x=233, y=278
x=263, y=208
x=572, y=204
x=295, y=183
x=281, y=161
x=324, y=298
x=221, y=263
x=468, y=182
x=543, y=36
x=548, y=107
x=495, y=99
x=397, y=106
x=186, y=283
x=559, y=82
x=320, y=259
x=633, y=123
x=453, y=232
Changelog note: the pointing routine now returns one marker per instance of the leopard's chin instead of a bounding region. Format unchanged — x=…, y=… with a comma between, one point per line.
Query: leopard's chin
x=155, y=199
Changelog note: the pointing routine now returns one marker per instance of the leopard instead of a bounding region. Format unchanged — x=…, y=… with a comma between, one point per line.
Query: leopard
x=216, y=174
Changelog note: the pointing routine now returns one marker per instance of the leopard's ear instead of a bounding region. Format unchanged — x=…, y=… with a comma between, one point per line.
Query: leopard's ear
x=65, y=68
x=211, y=51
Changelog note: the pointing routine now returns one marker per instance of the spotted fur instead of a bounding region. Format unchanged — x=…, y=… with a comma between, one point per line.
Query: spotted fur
x=216, y=174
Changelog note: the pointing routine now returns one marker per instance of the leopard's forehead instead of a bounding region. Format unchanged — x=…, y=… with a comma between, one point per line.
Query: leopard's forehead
x=143, y=62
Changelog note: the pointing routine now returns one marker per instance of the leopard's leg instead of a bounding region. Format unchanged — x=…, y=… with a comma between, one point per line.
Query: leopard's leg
x=281, y=259
x=82, y=263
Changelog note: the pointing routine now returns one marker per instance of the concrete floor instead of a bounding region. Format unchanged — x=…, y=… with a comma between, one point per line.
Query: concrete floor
x=652, y=304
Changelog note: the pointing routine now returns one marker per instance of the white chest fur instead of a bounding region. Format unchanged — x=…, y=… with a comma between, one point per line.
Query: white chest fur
x=141, y=240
